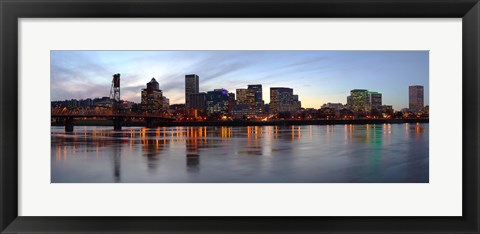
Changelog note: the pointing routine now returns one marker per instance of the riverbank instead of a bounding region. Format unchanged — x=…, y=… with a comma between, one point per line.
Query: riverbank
x=248, y=123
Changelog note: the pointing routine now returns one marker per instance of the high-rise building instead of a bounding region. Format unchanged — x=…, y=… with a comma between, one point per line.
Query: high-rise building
x=364, y=100
x=152, y=98
x=259, y=103
x=283, y=100
x=245, y=103
x=231, y=102
x=415, y=97
x=166, y=103
x=198, y=101
x=374, y=100
x=217, y=101
x=257, y=89
x=358, y=100
x=246, y=96
x=250, y=100
x=191, y=87
x=297, y=104
x=266, y=108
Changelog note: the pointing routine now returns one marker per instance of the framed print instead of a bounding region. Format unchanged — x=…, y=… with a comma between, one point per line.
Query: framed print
x=149, y=122
x=257, y=116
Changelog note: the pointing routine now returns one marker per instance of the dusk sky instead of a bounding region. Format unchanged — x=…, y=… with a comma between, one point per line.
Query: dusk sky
x=317, y=77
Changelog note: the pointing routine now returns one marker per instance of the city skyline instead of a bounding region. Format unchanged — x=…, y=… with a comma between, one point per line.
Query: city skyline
x=85, y=74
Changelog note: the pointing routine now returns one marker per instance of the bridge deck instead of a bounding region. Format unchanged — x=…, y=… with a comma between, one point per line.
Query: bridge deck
x=108, y=116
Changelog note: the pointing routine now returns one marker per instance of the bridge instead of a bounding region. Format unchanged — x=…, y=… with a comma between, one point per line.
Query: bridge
x=115, y=112
x=118, y=119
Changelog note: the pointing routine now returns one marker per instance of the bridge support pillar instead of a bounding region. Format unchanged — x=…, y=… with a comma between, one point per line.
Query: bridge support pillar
x=117, y=123
x=69, y=124
x=149, y=122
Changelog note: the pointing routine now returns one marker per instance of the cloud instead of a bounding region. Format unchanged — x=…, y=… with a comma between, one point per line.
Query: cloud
x=214, y=67
x=315, y=75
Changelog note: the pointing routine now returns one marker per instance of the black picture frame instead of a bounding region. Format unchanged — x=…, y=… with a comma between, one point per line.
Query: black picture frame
x=11, y=11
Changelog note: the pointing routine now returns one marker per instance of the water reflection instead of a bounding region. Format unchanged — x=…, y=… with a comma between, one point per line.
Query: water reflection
x=116, y=162
x=193, y=160
x=331, y=153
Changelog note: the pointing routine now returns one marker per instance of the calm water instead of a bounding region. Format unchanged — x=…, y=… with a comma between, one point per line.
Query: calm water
x=309, y=154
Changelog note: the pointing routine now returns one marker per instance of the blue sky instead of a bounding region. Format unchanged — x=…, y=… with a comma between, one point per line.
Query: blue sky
x=317, y=77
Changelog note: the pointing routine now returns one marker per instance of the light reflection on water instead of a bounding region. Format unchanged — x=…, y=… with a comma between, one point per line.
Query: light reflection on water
x=271, y=154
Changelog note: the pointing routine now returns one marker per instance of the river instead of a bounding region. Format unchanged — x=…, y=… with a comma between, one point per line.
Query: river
x=371, y=153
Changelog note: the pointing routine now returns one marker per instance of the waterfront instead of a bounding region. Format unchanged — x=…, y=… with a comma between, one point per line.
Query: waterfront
x=372, y=153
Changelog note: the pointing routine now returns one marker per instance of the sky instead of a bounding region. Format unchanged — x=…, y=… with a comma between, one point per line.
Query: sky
x=318, y=77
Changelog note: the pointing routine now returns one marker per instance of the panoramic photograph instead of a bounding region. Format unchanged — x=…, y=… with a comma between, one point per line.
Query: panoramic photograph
x=219, y=116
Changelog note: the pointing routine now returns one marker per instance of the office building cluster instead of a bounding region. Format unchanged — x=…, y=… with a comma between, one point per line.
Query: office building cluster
x=244, y=103
x=364, y=100
x=248, y=103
